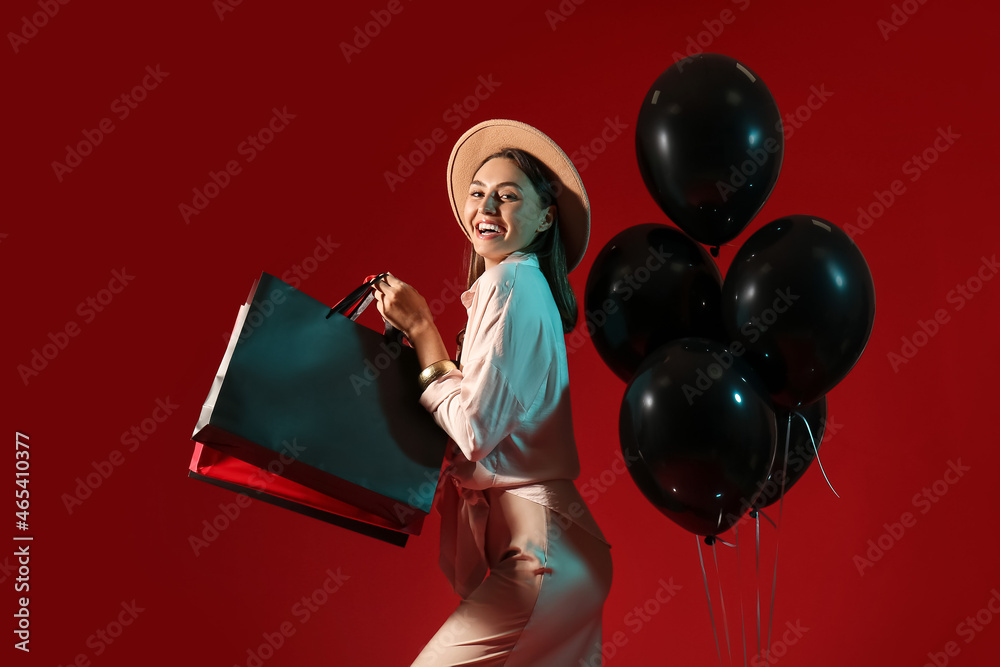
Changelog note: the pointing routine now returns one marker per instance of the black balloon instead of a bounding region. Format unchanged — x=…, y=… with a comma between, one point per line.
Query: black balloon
x=799, y=298
x=649, y=285
x=698, y=434
x=794, y=433
x=709, y=142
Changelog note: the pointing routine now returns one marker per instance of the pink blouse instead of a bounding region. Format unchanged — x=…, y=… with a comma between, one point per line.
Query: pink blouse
x=507, y=411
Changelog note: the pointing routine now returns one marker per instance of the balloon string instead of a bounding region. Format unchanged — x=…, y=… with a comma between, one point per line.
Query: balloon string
x=722, y=601
x=708, y=595
x=722, y=541
x=816, y=450
x=777, y=537
x=768, y=518
x=739, y=585
x=757, y=524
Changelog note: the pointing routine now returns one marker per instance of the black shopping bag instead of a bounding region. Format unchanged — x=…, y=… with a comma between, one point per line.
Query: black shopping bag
x=307, y=394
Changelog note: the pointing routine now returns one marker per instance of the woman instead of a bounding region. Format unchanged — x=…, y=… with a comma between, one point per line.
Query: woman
x=508, y=502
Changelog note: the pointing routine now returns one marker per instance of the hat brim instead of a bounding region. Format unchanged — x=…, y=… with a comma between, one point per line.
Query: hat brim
x=490, y=136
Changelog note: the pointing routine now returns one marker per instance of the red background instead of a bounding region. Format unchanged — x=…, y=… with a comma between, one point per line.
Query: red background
x=163, y=335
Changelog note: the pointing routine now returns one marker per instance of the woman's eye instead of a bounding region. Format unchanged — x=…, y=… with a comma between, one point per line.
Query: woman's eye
x=506, y=196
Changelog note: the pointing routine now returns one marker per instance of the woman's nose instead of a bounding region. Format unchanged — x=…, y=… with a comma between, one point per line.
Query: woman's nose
x=490, y=203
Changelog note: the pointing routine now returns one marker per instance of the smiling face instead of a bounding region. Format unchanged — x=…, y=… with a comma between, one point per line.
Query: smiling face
x=503, y=211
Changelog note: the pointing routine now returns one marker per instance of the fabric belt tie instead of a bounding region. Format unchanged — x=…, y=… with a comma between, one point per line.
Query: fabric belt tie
x=464, y=515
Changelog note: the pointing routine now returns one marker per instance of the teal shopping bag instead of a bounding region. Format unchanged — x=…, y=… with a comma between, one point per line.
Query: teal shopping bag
x=308, y=394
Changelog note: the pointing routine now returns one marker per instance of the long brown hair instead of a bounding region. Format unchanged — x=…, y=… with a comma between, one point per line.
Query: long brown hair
x=547, y=245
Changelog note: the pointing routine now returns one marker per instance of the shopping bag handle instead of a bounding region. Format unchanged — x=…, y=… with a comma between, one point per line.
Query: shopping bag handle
x=355, y=303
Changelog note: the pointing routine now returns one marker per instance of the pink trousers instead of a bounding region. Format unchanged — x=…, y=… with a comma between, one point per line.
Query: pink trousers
x=541, y=602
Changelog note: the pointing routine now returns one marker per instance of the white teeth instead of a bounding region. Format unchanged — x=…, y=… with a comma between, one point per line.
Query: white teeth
x=489, y=227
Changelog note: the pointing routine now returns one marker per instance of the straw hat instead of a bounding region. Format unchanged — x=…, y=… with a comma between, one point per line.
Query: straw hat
x=491, y=136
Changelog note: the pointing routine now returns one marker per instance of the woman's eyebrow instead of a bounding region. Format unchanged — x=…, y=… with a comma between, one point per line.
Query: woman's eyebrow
x=499, y=185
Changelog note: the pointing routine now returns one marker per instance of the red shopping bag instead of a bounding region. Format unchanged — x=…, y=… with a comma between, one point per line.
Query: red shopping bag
x=218, y=469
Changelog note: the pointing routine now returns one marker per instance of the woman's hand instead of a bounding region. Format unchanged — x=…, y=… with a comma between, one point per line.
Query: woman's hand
x=402, y=306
